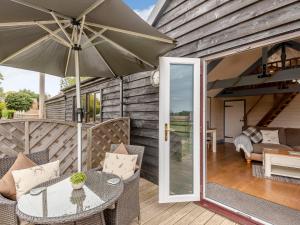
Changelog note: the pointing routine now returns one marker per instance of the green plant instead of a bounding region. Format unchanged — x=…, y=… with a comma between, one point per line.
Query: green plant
x=2, y=107
x=78, y=178
x=8, y=114
x=18, y=101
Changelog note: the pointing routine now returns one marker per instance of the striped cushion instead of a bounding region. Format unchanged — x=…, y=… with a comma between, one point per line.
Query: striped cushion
x=253, y=134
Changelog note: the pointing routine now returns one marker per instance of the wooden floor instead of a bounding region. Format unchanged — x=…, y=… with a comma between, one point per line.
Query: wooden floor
x=153, y=213
x=229, y=168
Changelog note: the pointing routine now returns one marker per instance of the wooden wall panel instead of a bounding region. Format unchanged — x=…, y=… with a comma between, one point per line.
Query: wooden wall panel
x=206, y=27
x=56, y=108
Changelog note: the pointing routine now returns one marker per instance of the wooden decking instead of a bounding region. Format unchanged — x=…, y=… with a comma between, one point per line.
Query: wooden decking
x=153, y=213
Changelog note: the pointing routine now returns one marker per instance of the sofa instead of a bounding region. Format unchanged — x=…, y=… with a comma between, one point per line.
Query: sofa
x=289, y=139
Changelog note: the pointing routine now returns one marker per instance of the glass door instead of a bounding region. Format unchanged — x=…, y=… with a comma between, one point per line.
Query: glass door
x=179, y=130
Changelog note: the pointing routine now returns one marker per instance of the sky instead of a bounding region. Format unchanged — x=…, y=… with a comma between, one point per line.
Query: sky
x=16, y=79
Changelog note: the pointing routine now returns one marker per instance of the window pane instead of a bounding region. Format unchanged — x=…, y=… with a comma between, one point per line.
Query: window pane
x=83, y=105
x=181, y=124
x=91, y=108
x=98, y=106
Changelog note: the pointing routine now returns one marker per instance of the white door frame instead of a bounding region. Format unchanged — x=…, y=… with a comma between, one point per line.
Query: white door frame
x=164, y=146
x=244, y=109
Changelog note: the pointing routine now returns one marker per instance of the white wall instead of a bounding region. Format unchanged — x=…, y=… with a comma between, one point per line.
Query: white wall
x=289, y=117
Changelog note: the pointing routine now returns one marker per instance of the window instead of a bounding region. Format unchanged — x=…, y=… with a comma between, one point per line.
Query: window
x=92, y=107
x=98, y=107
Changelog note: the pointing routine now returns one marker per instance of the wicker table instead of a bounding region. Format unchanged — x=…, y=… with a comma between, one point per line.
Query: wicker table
x=60, y=204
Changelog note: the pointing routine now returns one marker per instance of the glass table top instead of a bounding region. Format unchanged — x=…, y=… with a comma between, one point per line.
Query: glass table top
x=60, y=200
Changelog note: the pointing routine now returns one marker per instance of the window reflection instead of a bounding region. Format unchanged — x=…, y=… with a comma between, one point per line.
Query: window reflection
x=92, y=107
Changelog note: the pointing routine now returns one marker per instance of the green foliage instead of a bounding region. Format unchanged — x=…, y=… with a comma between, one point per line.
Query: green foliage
x=29, y=92
x=78, y=178
x=18, y=101
x=69, y=81
x=8, y=114
x=2, y=106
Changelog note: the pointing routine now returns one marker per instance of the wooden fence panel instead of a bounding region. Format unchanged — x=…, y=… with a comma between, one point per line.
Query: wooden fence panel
x=101, y=136
x=30, y=136
x=60, y=138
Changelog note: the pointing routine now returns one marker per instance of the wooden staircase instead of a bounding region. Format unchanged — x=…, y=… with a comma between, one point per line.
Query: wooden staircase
x=278, y=107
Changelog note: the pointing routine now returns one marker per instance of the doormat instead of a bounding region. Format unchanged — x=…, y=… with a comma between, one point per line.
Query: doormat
x=259, y=171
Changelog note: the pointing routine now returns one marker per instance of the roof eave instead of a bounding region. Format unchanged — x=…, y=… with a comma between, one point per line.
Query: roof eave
x=156, y=11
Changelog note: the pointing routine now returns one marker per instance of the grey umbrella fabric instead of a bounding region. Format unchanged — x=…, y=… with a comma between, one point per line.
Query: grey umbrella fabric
x=125, y=43
x=93, y=38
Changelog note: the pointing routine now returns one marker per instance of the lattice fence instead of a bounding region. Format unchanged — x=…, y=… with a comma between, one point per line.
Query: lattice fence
x=101, y=136
x=60, y=138
x=31, y=136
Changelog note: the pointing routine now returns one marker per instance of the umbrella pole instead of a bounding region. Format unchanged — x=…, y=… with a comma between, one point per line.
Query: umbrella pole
x=79, y=111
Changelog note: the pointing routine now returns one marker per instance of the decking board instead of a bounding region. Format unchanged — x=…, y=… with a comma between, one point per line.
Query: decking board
x=153, y=213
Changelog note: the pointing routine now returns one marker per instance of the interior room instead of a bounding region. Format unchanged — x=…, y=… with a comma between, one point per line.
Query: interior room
x=253, y=130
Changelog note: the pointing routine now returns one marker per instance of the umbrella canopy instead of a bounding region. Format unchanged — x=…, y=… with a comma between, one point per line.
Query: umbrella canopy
x=37, y=35
x=94, y=38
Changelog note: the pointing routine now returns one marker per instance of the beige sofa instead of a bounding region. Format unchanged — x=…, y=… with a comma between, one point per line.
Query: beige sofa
x=289, y=139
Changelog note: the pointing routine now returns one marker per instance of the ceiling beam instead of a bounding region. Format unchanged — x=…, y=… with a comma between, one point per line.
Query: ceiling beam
x=258, y=91
x=282, y=75
x=258, y=62
x=294, y=45
x=213, y=64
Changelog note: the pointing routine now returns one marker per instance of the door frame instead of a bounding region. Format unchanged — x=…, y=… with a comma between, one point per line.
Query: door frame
x=218, y=207
x=224, y=116
x=164, y=118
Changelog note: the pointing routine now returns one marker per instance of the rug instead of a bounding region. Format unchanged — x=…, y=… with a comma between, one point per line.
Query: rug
x=259, y=171
x=262, y=209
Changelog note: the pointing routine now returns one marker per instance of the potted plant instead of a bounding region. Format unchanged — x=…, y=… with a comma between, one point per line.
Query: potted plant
x=78, y=180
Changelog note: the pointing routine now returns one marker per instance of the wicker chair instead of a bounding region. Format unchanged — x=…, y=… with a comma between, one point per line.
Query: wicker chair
x=7, y=206
x=127, y=208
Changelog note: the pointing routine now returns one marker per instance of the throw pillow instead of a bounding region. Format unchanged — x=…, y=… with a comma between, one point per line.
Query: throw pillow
x=254, y=135
x=7, y=183
x=121, y=149
x=270, y=137
x=120, y=165
x=27, y=179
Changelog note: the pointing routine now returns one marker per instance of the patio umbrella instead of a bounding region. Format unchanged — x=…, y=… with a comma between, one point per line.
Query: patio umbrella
x=94, y=38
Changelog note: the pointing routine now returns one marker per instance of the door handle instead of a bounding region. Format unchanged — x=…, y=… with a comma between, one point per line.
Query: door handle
x=167, y=130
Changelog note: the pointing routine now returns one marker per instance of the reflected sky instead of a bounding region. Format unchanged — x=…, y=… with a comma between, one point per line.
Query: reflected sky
x=181, y=89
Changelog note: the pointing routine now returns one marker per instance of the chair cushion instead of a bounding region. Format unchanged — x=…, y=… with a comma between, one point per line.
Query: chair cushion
x=7, y=183
x=121, y=149
x=270, y=136
x=120, y=164
x=26, y=179
x=258, y=148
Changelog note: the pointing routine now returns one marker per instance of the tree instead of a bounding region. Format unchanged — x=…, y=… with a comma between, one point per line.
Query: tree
x=1, y=88
x=18, y=101
x=32, y=94
x=69, y=81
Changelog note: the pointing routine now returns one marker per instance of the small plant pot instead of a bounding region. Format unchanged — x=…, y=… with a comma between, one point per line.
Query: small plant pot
x=77, y=186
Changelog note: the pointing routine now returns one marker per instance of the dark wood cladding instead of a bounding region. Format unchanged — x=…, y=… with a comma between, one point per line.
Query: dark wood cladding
x=56, y=108
x=140, y=104
x=206, y=27
x=201, y=27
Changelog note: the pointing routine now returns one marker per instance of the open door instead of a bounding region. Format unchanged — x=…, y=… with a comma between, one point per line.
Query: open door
x=179, y=130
